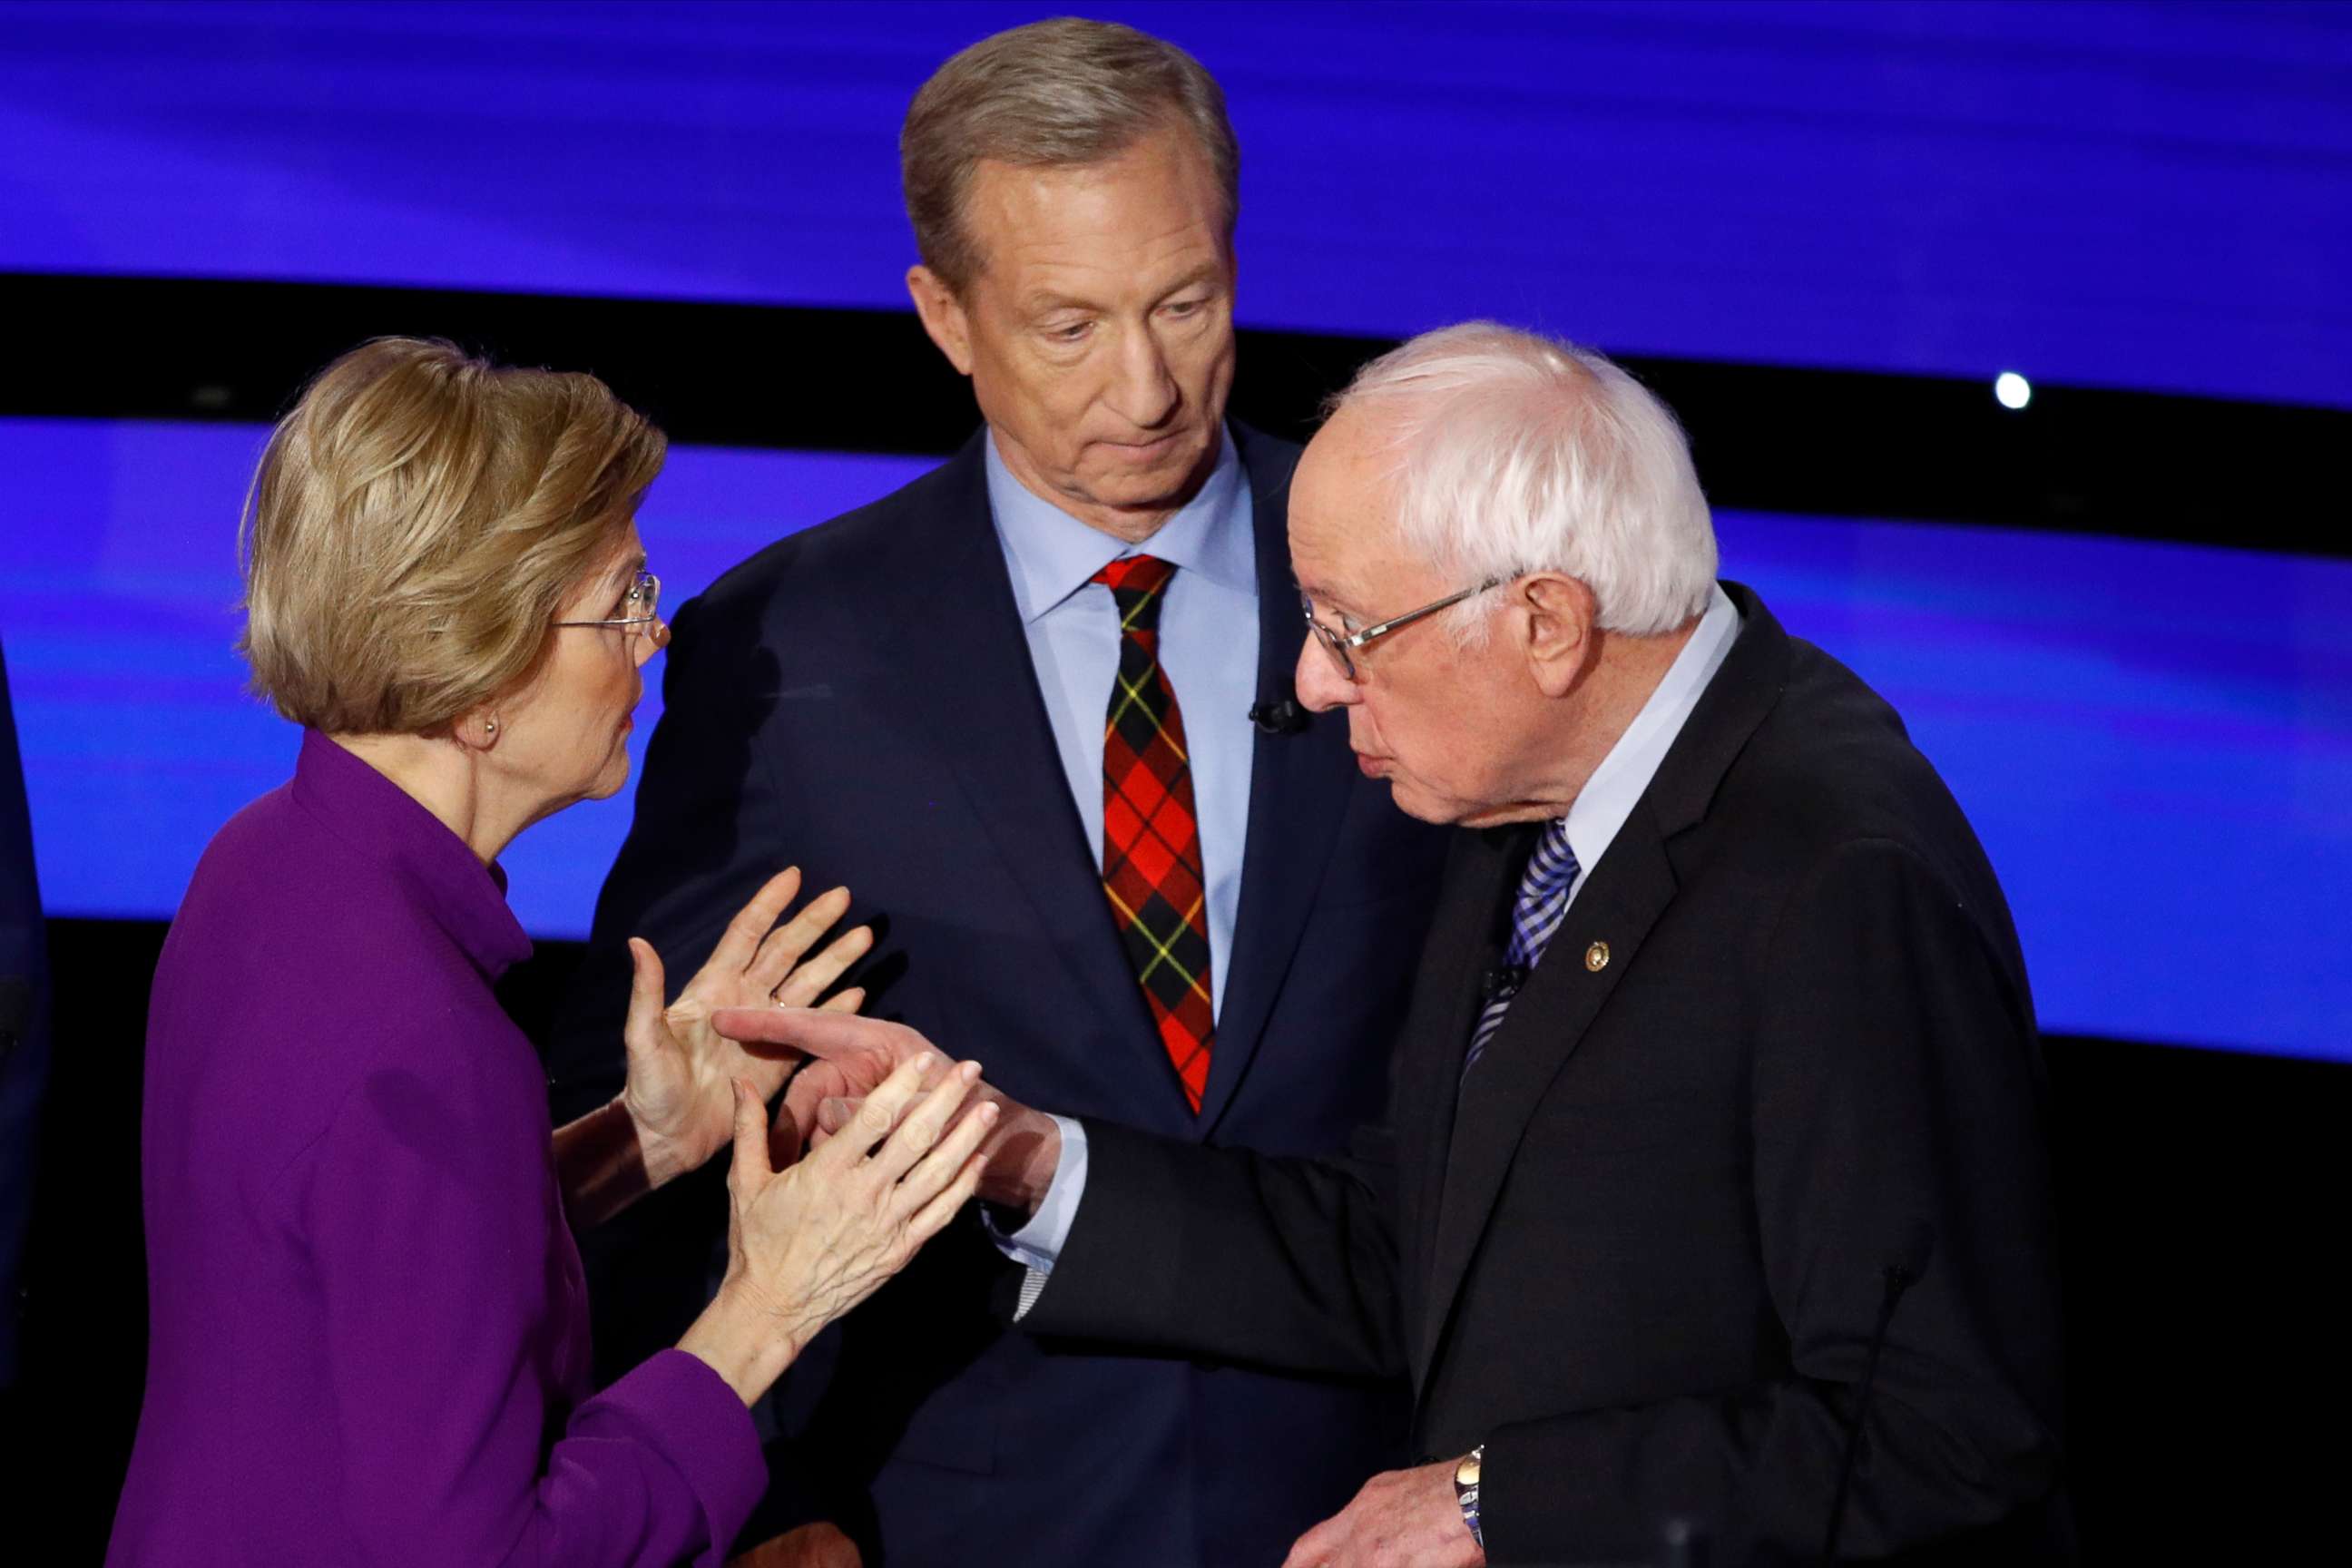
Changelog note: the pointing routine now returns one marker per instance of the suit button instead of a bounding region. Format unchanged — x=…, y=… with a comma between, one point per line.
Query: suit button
x=1596, y=957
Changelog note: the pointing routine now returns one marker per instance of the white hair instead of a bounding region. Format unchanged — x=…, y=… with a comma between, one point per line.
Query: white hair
x=1517, y=454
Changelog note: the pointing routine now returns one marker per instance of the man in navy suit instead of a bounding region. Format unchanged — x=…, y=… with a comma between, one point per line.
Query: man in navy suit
x=1035, y=711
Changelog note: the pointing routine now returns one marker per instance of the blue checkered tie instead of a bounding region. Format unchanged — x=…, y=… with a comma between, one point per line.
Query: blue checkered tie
x=1535, y=913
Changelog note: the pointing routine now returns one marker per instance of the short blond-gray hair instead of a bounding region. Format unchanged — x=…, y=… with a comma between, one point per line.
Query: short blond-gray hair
x=1065, y=92
x=415, y=525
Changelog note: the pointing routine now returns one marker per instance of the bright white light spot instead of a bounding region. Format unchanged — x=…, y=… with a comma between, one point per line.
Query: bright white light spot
x=2012, y=389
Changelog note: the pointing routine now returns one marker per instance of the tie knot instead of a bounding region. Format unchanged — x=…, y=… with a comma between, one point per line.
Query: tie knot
x=1542, y=899
x=1552, y=866
x=1135, y=582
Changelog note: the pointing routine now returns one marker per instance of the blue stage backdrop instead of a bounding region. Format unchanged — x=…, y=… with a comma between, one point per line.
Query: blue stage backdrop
x=2145, y=195
x=2154, y=741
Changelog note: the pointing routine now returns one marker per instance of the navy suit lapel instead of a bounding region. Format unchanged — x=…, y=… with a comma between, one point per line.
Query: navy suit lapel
x=1298, y=794
x=971, y=680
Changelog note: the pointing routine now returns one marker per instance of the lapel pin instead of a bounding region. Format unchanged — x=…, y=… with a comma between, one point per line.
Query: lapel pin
x=1596, y=957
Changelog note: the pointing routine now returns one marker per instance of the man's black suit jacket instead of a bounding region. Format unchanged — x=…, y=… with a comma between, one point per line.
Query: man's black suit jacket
x=858, y=700
x=1781, y=1044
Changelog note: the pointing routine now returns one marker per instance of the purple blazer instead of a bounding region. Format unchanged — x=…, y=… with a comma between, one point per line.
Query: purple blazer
x=370, y=1335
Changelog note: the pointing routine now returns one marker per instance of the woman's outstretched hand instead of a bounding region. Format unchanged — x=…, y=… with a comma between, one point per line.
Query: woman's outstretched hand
x=679, y=1097
x=807, y=1243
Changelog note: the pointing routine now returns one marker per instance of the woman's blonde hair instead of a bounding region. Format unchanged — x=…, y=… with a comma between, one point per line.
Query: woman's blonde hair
x=414, y=525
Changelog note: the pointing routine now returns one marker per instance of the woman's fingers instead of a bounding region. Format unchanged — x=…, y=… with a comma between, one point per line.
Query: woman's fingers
x=784, y=1145
x=750, y=1168
x=740, y=942
x=801, y=986
x=921, y=1128
x=932, y=1217
x=849, y=1001
x=783, y=946
x=643, y=1025
x=880, y=1113
x=937, y=1170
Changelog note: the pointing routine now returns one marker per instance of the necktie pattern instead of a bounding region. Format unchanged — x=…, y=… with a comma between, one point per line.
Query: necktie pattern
x=1536, y=914
x=1151, y=839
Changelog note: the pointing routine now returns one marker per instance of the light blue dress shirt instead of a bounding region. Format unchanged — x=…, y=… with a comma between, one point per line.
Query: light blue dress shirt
x=1601, y=807
x=1208, y=647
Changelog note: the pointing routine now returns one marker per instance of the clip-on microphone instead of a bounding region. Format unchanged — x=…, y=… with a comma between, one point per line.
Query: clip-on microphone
x=1282, y=716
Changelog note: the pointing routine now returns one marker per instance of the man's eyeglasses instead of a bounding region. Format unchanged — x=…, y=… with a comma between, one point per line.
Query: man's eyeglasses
x=1343, y=645
x=637, y=606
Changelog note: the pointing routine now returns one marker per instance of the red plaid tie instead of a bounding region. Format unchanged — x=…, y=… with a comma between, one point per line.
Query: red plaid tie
x=1151, y=841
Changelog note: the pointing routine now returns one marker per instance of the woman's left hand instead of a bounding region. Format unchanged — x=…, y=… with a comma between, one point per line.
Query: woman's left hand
x=680, y=1094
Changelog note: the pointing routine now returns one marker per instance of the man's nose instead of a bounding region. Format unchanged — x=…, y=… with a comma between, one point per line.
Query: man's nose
x=1143, y=390
x=1318, y=681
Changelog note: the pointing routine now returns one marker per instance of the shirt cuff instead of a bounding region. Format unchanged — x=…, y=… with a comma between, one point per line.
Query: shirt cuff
x=1037, y=1244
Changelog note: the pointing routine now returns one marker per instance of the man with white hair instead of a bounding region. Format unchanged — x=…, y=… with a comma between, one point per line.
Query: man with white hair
x=1713, y=1194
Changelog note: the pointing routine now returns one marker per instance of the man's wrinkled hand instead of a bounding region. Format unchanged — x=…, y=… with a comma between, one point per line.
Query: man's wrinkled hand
x=816, y=1545
x=843, y=1068
x=1403, y=1518
x=849, y=1056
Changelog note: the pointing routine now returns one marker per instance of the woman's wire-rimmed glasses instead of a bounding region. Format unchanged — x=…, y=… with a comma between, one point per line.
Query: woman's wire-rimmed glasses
x=1342, y=646
x=638, y=605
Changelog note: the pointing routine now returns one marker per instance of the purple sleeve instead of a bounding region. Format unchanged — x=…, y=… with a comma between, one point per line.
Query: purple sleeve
x=430, y=1211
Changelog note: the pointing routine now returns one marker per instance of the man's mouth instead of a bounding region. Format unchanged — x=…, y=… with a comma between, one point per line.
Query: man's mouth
x=1143, y=451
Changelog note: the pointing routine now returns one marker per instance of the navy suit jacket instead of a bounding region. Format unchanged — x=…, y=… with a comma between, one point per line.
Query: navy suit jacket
x=858, y=700
x=24, y=1026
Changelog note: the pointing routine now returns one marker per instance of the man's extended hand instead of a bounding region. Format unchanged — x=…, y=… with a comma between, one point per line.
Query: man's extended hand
x=1401, y=1519
x=850, y=1055
x=810, y=1546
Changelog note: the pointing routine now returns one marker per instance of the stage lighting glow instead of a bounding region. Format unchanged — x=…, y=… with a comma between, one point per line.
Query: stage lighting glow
x=2094, y=703
x=2014, y=390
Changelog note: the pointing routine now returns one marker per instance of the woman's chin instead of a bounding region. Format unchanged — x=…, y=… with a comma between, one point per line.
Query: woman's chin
x=610, y=781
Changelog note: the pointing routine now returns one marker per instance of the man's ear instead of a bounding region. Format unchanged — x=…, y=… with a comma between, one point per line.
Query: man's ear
x=1553, y=614
x=943, y=315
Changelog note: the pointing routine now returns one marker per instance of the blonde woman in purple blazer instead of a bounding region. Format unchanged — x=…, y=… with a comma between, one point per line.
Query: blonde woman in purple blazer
x=370, y=1341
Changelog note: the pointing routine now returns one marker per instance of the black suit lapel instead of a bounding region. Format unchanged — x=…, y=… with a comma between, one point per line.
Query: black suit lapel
x=1464, y=944
x=971, y=681
x=1298, y=794
x=1619, y=906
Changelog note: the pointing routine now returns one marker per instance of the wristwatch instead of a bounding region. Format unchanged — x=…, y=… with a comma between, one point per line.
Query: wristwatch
x=1466, y=1492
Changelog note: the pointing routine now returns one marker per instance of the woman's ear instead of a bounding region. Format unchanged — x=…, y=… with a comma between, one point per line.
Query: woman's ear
x=476, y=732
